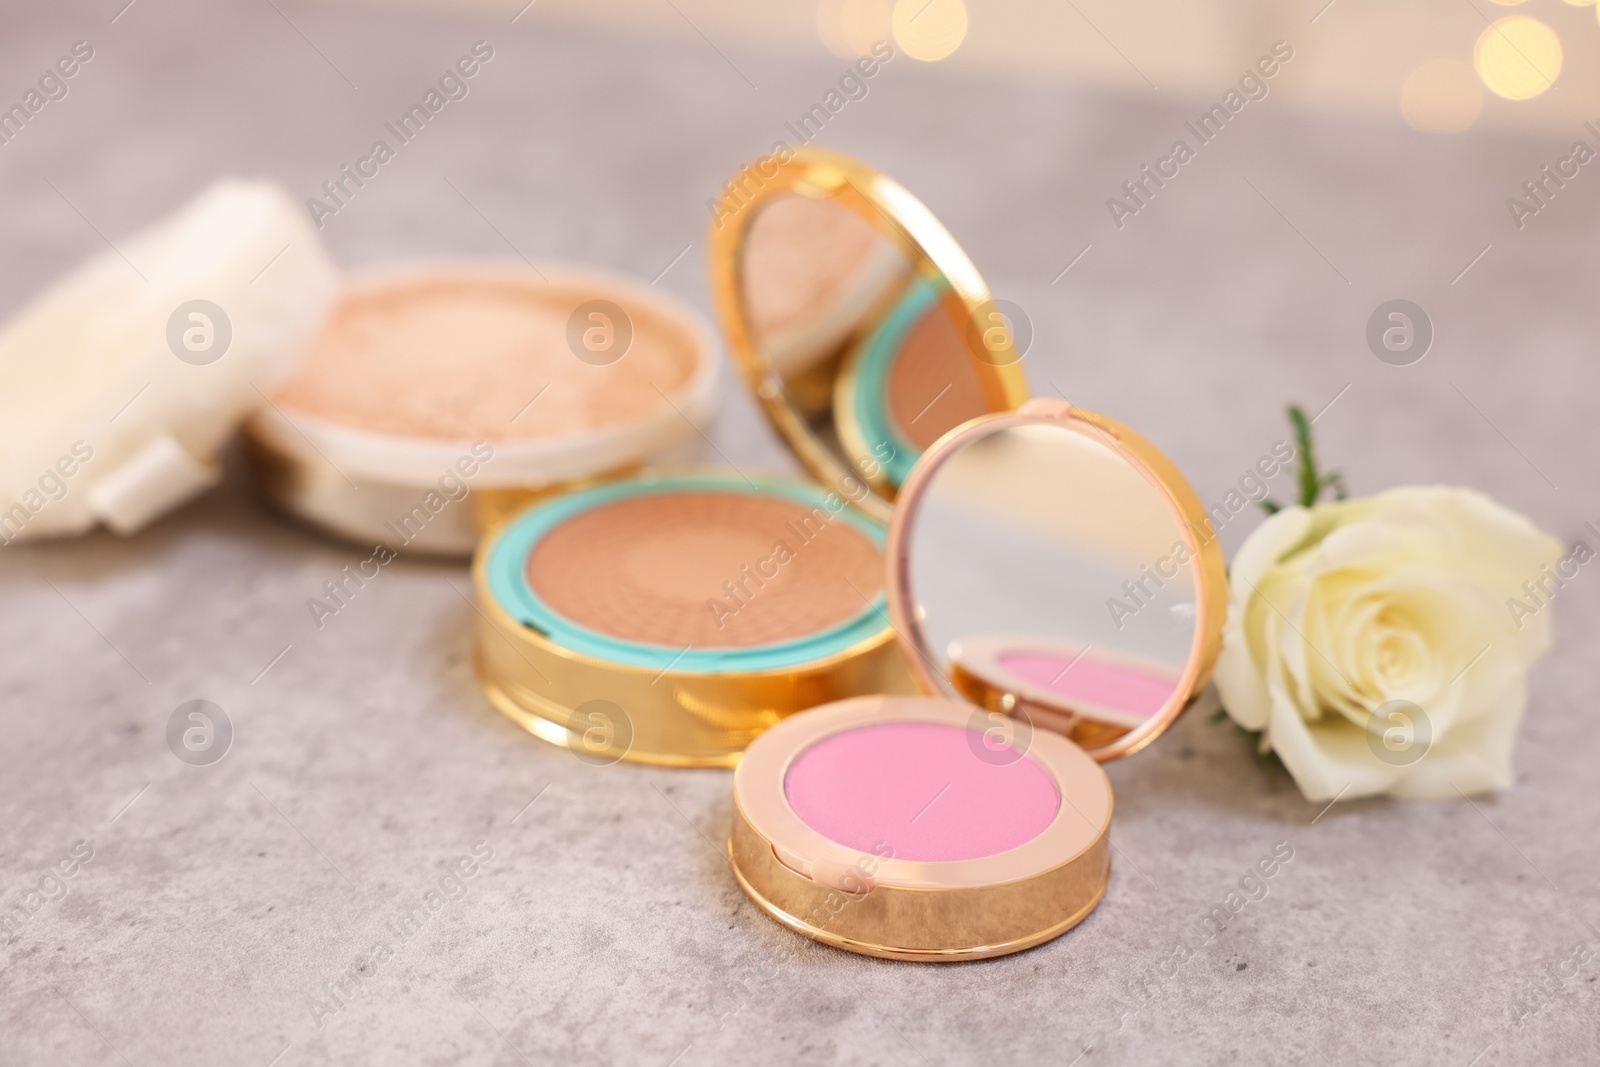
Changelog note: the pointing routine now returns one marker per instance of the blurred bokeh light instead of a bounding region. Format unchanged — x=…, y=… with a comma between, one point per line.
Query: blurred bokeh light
x=929, y=29
x=1518, y=57
x=1442, y=96
x=849, y=28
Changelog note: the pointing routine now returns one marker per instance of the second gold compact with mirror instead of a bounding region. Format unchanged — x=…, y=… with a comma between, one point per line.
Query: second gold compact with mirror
x=1055, y=591
x=671, y=616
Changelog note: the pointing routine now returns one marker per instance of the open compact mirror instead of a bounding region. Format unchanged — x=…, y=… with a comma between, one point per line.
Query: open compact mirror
x=1050, y=566
x=859, y=322
x=1055, y=587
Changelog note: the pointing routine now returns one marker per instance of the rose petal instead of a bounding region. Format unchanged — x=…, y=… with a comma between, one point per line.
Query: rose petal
x=1330, y=758
x=1475, y=756
x=1237, y=674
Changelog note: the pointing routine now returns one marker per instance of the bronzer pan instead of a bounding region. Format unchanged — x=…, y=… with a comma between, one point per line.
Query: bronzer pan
x=673, y=616
x=975, y=821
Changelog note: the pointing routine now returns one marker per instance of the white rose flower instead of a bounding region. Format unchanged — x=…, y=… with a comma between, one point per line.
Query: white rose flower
x=1414, y=596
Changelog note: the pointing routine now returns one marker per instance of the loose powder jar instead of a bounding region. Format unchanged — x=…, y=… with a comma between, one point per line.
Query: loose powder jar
x=500, y=382
x=672, y=617
x=976, y=821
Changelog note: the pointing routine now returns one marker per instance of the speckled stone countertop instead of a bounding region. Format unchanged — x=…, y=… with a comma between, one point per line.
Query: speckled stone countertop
x=604, y=927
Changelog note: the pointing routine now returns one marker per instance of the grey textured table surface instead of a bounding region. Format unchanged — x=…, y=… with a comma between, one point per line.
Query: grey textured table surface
x=607, y=928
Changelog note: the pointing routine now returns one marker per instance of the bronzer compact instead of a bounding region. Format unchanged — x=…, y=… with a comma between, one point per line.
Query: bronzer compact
x=1051, y=582
x=673, y=615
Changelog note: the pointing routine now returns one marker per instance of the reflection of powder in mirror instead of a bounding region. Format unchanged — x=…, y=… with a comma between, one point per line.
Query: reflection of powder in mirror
x=921, y=789
x=651, y=568
x=933, y=386
x=801, y=259
x=1096, y=682
x=459, y=357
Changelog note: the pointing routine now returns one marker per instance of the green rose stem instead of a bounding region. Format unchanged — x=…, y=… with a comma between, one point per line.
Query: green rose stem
x=1312, y=484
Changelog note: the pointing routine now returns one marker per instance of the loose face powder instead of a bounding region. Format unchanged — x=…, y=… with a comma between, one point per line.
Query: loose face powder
x=920, y=791
x=461, y=358
x=706, y=570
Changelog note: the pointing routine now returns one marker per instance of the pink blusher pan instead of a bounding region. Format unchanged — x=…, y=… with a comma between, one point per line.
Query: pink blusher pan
x=931, y=791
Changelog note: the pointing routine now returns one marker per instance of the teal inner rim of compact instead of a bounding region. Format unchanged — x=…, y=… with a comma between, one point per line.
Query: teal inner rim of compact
x=873, y=365
x=507, y=573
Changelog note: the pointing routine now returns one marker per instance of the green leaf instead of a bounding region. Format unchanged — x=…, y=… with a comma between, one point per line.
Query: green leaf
x=1308, y=460
x=1311, y=482
x=1271, y=506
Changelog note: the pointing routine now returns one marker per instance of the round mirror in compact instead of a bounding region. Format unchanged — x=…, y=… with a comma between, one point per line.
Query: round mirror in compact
x=1055, y=587
x=1050, y=566
x=864, y=329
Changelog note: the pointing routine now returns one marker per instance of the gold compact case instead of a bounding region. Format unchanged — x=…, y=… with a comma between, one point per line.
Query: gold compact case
x=439, y=398
x=673, y=615
x=1056, y=591
x=858, y=321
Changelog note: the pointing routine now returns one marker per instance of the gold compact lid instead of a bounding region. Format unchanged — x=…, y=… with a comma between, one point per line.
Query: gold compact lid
x=861, y=325
x=1053, y=567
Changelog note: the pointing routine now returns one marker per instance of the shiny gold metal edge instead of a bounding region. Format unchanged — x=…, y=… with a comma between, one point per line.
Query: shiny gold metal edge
x=675, y=718
x=981, y=922
x=886, y=952
x=543, y=725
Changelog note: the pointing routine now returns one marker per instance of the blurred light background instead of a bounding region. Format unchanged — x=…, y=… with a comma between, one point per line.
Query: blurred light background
x=1439, y=65
x=1381, y=163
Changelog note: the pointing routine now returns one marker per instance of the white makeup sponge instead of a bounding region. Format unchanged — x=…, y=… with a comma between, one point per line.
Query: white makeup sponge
x=120, y=384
